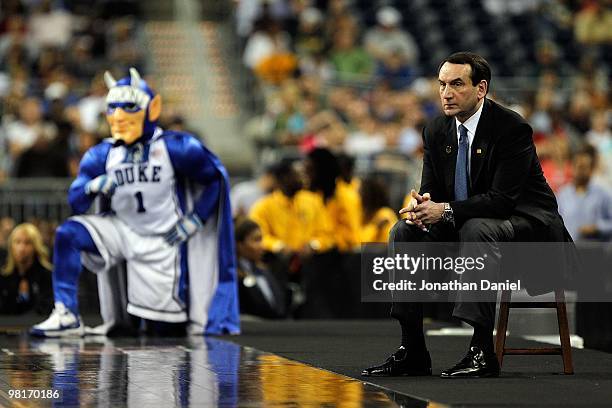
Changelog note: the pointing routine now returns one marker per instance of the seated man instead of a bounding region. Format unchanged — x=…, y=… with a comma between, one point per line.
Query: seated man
x=166, y=214
x=482, y=183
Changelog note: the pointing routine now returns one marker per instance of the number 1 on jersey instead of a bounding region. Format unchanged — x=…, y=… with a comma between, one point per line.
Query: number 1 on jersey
x=141, y=208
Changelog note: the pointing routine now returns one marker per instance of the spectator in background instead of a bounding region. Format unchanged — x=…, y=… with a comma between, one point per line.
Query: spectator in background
x=50, y=26
x=353, y=65
x=93, y=105
x=601, y=138
x=44, y=158
x=541, y=117
x=290, y=122
x=342, y=203
x=293, y=221
x=29, y=129
x=81, y=61
x=394, y=72
x=547, y=59
x=579, y=111
x=83, y=142
x=340, y=16
x=409, y=139
x=245, y=194
x=585, y=206
x=268, y=52
x=365, y=136
x=555, y=162
x=347, y=171
x=594, y=78
x=310, y=38
x=311, y=45
x=125, y=50
x=325, y=128
x=13, y=43
x=378, y=217
x=261, y=294
x=316, y=65
x=25, y=278
x=393, y=47
x=593, y=24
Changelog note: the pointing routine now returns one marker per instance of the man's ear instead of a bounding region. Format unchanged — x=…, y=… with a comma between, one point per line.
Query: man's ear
x=483, y=87
x=155, y=108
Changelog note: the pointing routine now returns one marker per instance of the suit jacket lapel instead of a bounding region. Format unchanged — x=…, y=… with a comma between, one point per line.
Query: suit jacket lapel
x=480, y=145
x=449, y=149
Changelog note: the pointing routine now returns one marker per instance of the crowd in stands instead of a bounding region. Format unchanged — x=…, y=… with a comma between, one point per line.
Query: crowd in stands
x=360, y=89
x=52, y=58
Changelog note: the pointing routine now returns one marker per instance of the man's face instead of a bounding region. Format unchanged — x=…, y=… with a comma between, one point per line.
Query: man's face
x=126, y=121
x=583, y=169
x=458, y=95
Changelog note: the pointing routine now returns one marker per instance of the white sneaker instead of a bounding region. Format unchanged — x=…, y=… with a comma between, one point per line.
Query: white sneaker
x=61, y=323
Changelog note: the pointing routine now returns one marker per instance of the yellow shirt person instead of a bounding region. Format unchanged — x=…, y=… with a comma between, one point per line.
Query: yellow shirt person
x=344, y=211
x=378, y=217
x=293, y=222
x=378, y=227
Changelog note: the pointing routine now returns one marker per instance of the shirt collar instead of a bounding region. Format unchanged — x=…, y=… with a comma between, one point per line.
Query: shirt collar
x=472, y=123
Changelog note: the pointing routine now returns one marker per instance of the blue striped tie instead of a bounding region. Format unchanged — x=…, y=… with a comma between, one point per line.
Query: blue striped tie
x=461, y=174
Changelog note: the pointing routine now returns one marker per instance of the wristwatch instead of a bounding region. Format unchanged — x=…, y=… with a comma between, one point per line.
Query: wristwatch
x=447, y=215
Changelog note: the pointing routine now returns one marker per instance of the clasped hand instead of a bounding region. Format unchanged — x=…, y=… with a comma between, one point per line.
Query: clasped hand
x=421, y=211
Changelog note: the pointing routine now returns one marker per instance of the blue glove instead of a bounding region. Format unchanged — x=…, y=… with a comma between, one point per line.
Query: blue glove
x=183, y=229
x=101, y=185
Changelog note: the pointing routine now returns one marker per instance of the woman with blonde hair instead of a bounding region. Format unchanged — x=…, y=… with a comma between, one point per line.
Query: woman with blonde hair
x=25, y=278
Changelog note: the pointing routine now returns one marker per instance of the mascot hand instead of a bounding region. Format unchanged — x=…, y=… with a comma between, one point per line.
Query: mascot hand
x=183, y=230
x=101, y=185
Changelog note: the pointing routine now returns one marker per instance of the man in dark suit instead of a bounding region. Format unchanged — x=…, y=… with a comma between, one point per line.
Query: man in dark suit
x=482, y=183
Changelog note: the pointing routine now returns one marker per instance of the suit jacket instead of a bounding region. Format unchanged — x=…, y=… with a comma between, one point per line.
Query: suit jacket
x=506, y=179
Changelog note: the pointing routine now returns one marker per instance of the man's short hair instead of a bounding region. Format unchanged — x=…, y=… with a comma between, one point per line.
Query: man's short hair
x=587, y=150
x=282, y=168
x=480, y=67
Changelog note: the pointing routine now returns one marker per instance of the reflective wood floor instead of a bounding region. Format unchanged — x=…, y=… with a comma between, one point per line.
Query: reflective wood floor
x=153, y=372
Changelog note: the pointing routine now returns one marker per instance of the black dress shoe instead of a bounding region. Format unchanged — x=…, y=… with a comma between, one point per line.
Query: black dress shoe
x=475, y=364
x=401, y=363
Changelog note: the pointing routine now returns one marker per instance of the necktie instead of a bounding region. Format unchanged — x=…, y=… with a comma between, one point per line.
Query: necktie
x=461, y=175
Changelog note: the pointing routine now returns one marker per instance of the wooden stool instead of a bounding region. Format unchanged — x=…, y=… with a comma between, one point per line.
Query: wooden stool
x=502, y=324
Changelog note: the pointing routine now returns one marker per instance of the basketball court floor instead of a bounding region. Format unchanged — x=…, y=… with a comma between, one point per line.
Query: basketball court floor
x=279, y=363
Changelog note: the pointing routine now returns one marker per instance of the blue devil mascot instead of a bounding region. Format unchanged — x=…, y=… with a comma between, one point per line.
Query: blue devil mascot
x=164, y=222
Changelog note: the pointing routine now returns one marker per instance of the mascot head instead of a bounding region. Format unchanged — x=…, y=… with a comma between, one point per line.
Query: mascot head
x=132, y=108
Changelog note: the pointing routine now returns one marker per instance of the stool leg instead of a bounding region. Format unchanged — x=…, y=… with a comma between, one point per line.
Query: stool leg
x=502, y=325
x=566, y=348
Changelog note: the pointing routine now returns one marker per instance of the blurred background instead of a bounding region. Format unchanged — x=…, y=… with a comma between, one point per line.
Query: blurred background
x=264, y=82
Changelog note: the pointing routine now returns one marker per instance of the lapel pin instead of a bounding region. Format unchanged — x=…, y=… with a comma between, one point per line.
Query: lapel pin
x=449, y=149
x=478, y=151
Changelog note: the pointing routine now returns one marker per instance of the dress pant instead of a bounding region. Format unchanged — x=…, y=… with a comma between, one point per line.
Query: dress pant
x=483, y=234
